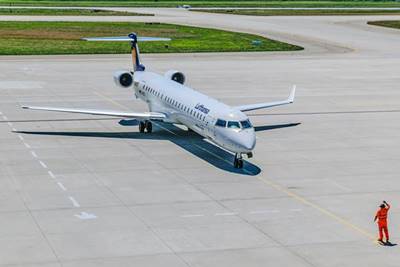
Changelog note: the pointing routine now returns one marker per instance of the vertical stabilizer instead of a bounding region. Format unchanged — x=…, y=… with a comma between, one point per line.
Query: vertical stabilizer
x=137, y=66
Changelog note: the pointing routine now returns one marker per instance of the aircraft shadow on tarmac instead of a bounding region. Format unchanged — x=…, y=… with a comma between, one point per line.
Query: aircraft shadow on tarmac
x=187, y=140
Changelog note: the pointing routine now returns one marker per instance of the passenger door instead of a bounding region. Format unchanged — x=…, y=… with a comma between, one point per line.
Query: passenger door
x=210, y=126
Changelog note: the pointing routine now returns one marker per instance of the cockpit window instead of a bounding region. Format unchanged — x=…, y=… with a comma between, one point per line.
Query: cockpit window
x=246, y=124
x=220, y=123
x=233, y=124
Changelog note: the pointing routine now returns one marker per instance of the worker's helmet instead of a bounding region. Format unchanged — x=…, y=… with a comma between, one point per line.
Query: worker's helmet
x=382, y=206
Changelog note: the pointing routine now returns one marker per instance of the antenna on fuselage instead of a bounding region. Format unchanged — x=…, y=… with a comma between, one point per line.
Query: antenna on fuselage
x=133, y=39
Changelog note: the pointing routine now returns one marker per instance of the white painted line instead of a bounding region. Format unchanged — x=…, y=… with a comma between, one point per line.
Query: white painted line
x=192, y=215
x=263, y=211
x=85, y=216
x=74, y=202
x=61, y=186
x=9, y=124
x=20, y=137
x=27, y=145
x=51, y=174
x=344, y=188
x=225, y=214
x=296, y=210
x=34, y=154
x=13, y=129
x=43, y=164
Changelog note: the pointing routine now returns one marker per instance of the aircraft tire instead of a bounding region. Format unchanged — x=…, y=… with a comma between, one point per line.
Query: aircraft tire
x=142, y=126
x=240, y=163
x=149, y=127
x=236, y=163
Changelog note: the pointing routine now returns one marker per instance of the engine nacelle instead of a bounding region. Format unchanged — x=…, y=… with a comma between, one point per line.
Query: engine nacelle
x=123, y=78
x=176, y=76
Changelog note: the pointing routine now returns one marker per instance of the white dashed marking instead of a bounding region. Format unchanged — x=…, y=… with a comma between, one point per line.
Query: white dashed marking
x=43, y=164
x=263, y=211
x=61, y=186
x=296, y=210
x=192, y=215
x=226, y=214
x=74, y=202
x=344, y=188
x=82, y=215
x=51, y=174
x=85, y=216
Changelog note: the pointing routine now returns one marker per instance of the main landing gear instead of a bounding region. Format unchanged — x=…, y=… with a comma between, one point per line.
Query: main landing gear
x=145, y=126
x=238, y=162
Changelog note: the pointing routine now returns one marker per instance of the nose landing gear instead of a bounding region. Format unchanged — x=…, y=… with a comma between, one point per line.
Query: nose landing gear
x=238, y=162
x=146, y=125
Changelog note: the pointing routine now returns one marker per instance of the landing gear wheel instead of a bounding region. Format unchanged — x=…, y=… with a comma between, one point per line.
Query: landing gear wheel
x=238, y=162
x=149, y=126
x=142, y=126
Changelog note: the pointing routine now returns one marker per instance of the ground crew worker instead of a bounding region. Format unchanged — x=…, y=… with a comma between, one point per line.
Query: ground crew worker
x=381, y=216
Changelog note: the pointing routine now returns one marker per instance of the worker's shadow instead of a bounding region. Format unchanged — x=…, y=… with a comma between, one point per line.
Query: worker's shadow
x=189, y=141
x=389, y=244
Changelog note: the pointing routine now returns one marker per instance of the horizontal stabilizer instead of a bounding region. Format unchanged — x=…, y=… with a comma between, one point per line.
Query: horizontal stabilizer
x=120, y=114
x=126, y=38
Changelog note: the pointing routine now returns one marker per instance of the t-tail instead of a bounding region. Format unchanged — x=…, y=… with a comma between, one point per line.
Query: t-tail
x=133, y=39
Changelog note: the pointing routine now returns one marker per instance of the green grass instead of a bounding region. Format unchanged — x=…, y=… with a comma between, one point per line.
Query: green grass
x=386, y=23
x=288, y=12
x=44, y=38
x=66, y=12
x=204, y=3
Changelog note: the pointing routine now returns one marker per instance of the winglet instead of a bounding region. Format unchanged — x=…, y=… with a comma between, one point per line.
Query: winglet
x=292, y=94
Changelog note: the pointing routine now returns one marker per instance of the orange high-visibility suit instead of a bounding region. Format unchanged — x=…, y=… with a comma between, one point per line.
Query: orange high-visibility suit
x=381, y=215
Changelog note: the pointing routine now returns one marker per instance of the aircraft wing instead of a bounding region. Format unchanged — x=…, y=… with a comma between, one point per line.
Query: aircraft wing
x=250, y=107
x=123, y=114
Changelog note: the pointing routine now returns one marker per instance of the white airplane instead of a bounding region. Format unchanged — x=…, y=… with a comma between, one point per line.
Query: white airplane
x=170, y=101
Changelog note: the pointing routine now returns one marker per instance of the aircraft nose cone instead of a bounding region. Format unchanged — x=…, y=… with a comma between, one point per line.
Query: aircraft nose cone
x=248, y=141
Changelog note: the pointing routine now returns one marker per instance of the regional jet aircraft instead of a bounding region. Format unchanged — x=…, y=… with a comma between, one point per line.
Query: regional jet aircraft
x=170, y=101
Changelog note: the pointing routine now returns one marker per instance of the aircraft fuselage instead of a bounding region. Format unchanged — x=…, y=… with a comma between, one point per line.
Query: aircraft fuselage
x=199, y=112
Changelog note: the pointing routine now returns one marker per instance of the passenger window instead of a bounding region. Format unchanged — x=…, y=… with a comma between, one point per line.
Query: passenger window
x=233, y=124
x=220, y=123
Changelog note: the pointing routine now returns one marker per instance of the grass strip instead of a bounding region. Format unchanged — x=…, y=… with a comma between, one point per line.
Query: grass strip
x=203, y=3
x=386, y=23
x=299, y=12
x=66, y=12
x=50, y=38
